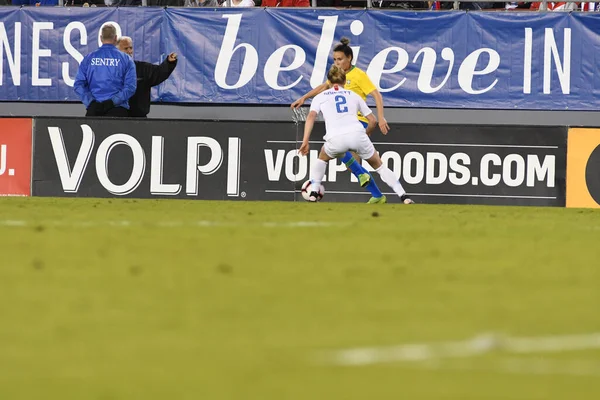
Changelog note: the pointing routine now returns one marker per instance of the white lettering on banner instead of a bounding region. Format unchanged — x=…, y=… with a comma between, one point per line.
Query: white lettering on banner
x=14, y=60
x=441, y=161
x=459, y=169
x=193, y=159
x=428, y=66
x=376, y=67
x=281, y=70
x=528, y=50
x=157, y=187
x=233, y=167
x=430, y=168
x=519, y=167
x=467, y=71
x=545, y=170
x=419, y=170
x=274, y=165
x=195, y=145
x=71, y=179
x=562, y=69
x=250, y=62
x=71, y=50
x=37, y=53
x=273, y=66
x=486, y=178
x=139, y=163
x=323, y=48
x=3, y=161
x=289, y=166
x=357, y=28
x=195, y=163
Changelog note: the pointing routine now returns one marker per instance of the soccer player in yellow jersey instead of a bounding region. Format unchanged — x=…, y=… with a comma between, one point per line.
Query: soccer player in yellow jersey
x=358, y=82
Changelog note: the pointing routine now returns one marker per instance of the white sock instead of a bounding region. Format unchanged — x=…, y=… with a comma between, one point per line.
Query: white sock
x=390, y=179
x=318, y=172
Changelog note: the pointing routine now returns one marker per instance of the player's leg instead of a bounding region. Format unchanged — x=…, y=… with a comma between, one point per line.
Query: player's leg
x=376, y=194
x=317, y=172
x=364, y=178
x=368, y=152
x=354, y=166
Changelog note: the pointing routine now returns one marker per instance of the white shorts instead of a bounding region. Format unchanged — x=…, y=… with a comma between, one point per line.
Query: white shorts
x=358, y=142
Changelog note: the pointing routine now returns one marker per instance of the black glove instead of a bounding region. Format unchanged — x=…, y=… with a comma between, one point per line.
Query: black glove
x=107, y=105
x=95, y=108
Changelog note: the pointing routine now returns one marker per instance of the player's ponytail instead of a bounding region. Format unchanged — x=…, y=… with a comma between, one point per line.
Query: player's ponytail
x=344, y=47
x=336, y=76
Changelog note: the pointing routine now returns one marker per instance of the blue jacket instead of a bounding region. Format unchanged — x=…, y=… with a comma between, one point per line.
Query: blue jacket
x=104, y=74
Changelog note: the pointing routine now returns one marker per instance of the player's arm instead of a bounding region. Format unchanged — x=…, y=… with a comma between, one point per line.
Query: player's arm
x=368, y=114
x=369, y=89
x=372, y=123
x=319, y=89
x=308, y=127
x=383, y=125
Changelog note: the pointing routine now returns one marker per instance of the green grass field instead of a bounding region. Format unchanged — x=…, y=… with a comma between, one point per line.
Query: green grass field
x=132, y=299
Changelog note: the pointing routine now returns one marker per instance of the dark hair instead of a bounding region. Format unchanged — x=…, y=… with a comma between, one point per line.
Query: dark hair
x=344, y=47
x=336, y=75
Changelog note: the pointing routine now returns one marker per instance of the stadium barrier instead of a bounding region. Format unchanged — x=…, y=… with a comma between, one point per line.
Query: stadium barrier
x=242, y=160
x=15, y=156
x=583, y=168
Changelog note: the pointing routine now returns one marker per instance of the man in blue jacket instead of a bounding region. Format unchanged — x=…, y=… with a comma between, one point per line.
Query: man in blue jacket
x=106, y=78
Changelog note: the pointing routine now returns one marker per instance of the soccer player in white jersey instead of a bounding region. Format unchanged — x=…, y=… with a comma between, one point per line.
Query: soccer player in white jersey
x=344, y=132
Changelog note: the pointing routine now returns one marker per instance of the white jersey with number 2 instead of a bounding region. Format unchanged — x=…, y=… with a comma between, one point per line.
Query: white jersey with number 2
x=339, y=108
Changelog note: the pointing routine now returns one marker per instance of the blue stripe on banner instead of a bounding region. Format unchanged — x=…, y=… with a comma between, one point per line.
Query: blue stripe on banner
x=273, y=56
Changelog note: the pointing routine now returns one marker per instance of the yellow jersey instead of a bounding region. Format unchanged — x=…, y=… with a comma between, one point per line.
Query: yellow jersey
x=358, y=81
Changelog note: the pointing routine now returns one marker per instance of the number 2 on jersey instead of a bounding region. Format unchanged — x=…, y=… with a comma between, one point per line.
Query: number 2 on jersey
x=340, y=104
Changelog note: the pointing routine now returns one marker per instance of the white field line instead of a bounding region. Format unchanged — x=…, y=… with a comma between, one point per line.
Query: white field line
x=519, y=366
x=476, y=346
x=168, y=224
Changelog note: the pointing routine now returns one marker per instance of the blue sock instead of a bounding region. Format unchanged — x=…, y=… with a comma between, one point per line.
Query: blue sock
x=358, y=169
x=372, y=187
x=351, y=163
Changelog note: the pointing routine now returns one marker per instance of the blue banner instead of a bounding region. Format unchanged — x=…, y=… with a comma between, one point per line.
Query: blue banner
x=273, y=56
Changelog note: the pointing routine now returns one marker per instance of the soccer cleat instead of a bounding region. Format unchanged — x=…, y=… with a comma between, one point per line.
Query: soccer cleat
x=406, y=200
x=364, y=179
x=377, y=200
x=314, y=196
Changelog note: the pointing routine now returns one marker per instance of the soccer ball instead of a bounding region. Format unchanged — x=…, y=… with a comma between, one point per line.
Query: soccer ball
x=307, y=189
